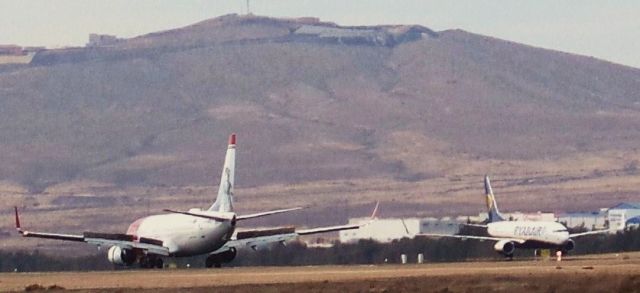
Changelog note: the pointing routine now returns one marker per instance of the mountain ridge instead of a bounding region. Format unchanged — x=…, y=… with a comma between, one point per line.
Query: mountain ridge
x=347, y=103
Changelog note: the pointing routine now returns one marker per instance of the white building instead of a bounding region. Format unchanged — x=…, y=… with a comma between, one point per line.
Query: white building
x=515, y=216
x=589, y=220
x=539, y=216
x=387, y=230
x=623, y=215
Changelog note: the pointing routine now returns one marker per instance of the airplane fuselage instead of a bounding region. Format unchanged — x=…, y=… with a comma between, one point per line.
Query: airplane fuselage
x=547, y=234
x=184, y=235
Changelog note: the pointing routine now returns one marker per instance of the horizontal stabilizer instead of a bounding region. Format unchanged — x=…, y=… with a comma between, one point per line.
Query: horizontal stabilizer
x=269, y=213
x=217, y=216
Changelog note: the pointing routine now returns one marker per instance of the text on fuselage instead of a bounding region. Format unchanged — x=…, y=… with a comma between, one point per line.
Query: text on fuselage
x=528, y=231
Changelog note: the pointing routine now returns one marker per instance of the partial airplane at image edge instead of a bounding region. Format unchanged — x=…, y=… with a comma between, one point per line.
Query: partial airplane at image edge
x=192, y=232
x=520, y=234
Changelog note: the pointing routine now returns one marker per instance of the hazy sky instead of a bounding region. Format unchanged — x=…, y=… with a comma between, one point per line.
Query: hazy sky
x=604, y=29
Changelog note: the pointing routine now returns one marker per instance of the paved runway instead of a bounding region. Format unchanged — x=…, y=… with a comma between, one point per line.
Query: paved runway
x=622, y=267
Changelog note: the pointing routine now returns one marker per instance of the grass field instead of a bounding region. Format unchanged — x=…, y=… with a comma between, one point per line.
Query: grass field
x=601, y=273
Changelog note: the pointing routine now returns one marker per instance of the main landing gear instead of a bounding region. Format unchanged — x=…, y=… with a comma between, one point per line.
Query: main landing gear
x=151, y=262
x=217, y=259
x=208, y=263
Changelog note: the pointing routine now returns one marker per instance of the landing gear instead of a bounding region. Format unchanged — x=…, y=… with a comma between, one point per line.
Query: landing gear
x=159, y=263
x=150, y=262
x=508, y=257
x=217, y=259
x=210, y=262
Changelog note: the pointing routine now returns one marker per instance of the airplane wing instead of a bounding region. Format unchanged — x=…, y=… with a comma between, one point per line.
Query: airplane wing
x=589, y=233
x=255, y=238
x=472, y=237
x=149, y=245
x=329, y=229
x=244, y=239
x=474, y=225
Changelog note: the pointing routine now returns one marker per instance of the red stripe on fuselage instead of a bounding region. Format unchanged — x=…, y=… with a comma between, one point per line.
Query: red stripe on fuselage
x=133, y=228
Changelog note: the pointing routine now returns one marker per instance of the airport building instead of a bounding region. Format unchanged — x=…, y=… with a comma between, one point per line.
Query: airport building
x=588, y=220
x=624, y=215
x=539, y=216
x=387, y=230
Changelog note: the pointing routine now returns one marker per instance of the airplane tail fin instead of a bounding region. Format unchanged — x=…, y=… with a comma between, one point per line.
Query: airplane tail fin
x=494, y=213
x=224, y=201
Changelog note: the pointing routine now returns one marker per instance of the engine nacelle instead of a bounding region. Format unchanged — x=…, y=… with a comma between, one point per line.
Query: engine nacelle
x=505, y=247
x=117, y=255
x=216, y=259
x=570, y=245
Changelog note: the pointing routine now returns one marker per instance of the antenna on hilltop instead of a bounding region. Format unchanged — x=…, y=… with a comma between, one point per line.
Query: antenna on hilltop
x=248, y=8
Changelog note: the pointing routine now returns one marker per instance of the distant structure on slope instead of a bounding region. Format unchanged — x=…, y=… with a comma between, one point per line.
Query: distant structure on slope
x=10, y=50
x=98, y=40
x=379, y=36
x=13, y=54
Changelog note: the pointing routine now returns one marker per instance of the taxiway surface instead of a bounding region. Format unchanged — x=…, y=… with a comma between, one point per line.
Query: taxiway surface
x=611, y=272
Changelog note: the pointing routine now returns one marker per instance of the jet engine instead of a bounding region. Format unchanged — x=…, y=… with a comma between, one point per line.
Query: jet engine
x=505, y=247
x=216, y=259
x=119, y=256
x=570, y=245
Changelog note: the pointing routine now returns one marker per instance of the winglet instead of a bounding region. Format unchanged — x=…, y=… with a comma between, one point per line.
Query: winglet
x=17, y=220
x=232, y=139
x=374, y=215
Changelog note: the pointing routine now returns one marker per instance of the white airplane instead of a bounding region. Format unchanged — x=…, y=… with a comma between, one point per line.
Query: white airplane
x=510, y=235
x=190, y=233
